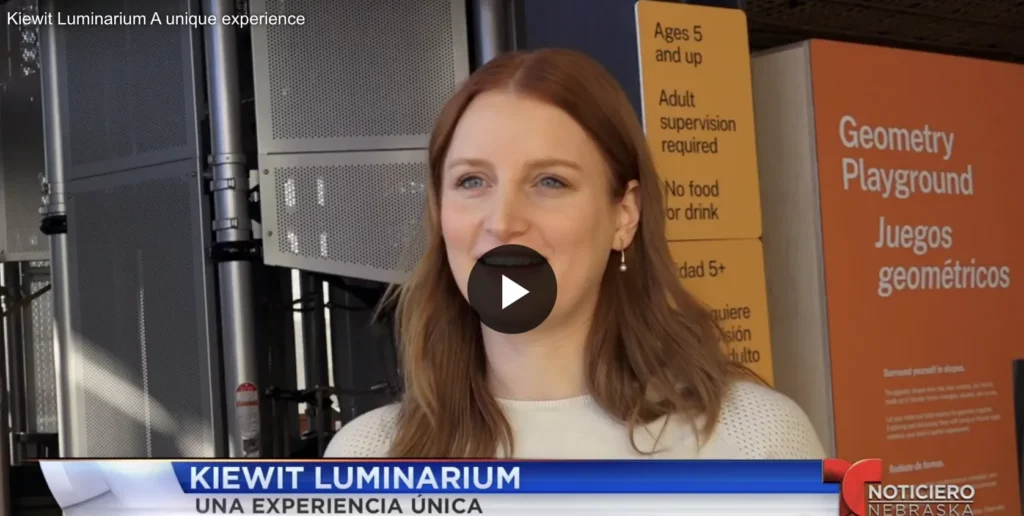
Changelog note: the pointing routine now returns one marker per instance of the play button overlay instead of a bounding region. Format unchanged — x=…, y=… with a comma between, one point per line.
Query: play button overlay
x=512, y=288
x=510, y=292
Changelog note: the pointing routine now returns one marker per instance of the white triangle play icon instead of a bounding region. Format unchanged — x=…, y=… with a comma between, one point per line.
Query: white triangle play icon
x=510, y=292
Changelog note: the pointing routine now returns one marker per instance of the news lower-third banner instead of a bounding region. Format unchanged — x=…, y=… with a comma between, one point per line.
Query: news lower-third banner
x=724, y=488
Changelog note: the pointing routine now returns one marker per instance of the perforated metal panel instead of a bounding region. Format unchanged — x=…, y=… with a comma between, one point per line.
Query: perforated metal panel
x=129, y=105
x=357, y=75
x=143, y=365
x=140, y=291
x=352, y=214
x=42, y=394
x=21, y=142
x=345, y=105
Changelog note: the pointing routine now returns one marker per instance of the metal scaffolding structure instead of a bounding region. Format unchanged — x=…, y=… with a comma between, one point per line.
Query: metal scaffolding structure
x=233, y=228
x=55, y=221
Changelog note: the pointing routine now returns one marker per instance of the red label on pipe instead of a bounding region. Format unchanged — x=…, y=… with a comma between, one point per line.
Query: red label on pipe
x=247, y=410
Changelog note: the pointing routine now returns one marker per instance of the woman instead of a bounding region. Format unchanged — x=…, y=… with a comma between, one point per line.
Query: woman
x=542, y=149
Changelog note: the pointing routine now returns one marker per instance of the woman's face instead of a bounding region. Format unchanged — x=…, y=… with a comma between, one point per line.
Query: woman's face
x=520, y=171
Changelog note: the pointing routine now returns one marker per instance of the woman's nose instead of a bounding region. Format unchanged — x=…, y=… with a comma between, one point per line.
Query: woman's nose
x=507, y=217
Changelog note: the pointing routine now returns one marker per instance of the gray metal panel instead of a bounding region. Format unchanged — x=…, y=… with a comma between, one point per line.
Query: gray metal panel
x=351, y=214
x=341, y=103
x=141, y=287
x=359, y=75
x=21, y=169
x=125, y=103
x=21, y=144
x=142, y=365
x=40, y=360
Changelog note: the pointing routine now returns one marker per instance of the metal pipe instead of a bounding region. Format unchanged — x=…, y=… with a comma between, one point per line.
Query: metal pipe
x=283, y=362
x=68, y=414
x=323, y=415
x=5, y=437
x=362, y=352
x=341, y=351
x=31, y=360
x=277, y=335
x=492, y=30
x=315, y=353
x=14, y=337
x=314, y=331
x=231, y=224
x=13, y=298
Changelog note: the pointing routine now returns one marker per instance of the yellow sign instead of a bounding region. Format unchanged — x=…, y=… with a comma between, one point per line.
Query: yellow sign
x=728, y=276
x=698, y=112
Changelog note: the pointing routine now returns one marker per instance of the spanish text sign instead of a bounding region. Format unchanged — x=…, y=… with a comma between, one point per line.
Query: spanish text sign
x=728, y=276
x=698, y=116
x=921, y=230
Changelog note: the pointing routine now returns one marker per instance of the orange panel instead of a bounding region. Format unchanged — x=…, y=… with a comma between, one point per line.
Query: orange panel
x=920, y=175
x=699, y=118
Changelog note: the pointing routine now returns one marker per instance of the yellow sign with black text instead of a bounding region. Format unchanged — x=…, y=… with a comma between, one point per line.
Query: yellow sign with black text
x=728, y=277
x=698, y=113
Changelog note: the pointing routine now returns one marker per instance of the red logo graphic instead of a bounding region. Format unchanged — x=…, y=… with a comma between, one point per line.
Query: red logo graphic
x=852, y=480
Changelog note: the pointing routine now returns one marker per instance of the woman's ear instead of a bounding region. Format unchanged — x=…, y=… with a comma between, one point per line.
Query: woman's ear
x=628, y=216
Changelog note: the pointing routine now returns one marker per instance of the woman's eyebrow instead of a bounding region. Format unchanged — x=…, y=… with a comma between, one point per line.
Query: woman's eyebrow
x=553, y=162
x=473, y=162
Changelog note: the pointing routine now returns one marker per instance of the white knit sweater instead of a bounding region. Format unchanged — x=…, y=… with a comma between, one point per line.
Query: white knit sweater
x=756, y=423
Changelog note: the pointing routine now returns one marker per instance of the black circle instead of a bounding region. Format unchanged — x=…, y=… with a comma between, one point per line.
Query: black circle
x=525, y=268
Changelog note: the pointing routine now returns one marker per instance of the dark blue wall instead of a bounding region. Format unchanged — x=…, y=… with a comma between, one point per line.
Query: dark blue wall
x=603, y=29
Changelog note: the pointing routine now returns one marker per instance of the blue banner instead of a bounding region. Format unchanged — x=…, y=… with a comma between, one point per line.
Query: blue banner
x=478, y=477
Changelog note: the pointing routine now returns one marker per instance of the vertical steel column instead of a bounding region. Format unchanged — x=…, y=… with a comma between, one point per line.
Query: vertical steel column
x=231, y=224
x=314, y=331
x=15, y=339
x=68, y=413
x=28, y=355
x=314, y=350
x=278, y=336
x=362, y=350
x=492, y=30
x=342, y=348
x=354, y=354
x=5, y=436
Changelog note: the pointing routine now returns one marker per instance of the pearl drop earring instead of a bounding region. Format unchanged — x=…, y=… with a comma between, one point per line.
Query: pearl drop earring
x=622, y=256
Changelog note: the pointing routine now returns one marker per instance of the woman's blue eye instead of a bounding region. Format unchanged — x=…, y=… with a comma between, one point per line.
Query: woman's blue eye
x=550, y=182
x=471, y=182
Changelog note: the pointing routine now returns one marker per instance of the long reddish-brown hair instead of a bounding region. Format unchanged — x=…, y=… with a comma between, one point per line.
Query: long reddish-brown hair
x=653, y=350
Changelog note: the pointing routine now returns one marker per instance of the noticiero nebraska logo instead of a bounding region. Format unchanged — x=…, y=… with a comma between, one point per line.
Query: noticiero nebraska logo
x=862, y=493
